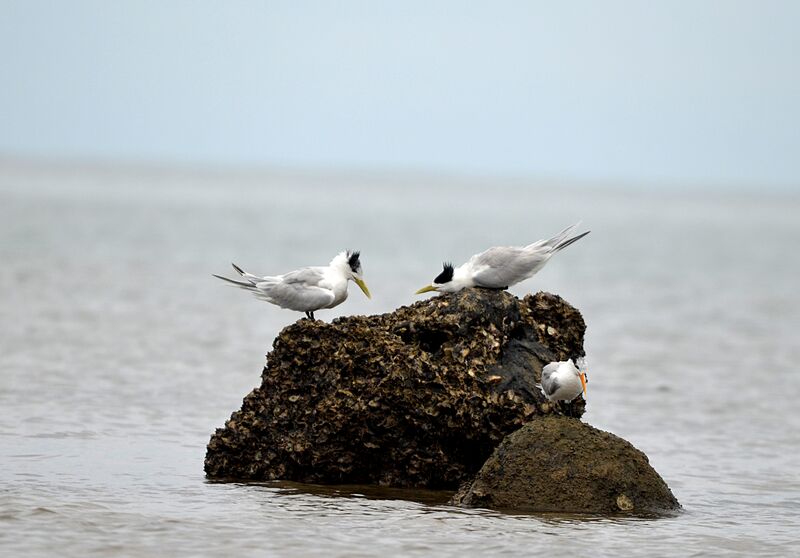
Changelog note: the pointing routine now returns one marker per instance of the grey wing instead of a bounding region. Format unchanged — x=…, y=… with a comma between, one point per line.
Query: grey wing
x=549, y=383
x=310, y=276
x=503, y=266
x=548, y=370
x=298, y=290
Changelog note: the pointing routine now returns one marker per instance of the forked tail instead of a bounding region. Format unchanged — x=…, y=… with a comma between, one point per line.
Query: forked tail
x=560, y=241
x=241, y=284
x=250, y=277
x=249, y=282
x=569, y=241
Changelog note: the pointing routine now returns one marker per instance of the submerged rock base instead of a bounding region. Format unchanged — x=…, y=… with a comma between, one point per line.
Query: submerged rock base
x=559, y=464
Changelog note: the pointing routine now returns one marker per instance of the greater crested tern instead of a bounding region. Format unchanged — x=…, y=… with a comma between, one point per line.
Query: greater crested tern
x=309, y=288
x=564, y=381
x=501, y=266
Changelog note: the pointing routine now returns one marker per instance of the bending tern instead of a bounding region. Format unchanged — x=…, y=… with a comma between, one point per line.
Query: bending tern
x=309, y=288
x=564, y=381
x=501, y=266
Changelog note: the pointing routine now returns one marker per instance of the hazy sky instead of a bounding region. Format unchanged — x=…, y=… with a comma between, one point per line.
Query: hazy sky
x=640, y=91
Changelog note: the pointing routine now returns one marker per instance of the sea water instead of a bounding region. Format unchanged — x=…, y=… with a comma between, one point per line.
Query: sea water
x=120, y=354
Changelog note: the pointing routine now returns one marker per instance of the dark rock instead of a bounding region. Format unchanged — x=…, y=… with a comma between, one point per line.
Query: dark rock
x=559, y=464
x=416, y=398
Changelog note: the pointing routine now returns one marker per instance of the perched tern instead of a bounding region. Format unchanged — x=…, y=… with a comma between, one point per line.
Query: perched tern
x=309, y=288
x=501, y=266
x=564, y=381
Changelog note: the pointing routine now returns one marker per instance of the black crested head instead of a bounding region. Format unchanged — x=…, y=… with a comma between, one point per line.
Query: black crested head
x=353, y=260
x=446, y=275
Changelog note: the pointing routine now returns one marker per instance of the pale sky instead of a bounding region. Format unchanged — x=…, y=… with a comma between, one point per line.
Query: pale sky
x=681, y=92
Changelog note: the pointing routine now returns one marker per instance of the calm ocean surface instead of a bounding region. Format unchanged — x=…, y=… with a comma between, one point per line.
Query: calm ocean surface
x=120, y=354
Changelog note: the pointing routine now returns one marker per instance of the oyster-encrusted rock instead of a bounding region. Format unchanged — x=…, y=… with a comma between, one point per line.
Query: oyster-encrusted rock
x=419, y=397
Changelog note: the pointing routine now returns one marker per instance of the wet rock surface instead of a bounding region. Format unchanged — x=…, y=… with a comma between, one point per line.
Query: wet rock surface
x=559, y=464
x=419, y=397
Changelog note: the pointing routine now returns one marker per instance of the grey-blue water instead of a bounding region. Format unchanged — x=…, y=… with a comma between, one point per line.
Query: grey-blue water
x=120, y=354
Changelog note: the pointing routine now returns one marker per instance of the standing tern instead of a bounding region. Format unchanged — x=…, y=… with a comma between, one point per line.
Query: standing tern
x=309, y=288
x=501, y=266
x=563, y=381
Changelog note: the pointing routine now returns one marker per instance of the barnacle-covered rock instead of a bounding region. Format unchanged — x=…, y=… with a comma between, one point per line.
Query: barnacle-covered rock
x=419, y=397
x=559, y=464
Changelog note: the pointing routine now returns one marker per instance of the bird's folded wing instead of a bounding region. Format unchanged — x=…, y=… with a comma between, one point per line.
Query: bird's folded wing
x=502, y=266
x=300, y=290
x=548, y=370
x=311, y=276
x=298, y=297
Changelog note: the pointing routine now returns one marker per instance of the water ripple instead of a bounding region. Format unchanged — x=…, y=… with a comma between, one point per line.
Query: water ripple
x=108, y=395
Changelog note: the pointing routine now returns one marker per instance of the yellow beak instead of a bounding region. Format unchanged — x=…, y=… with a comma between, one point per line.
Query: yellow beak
x=426, y=289
x=363, y=286
x=583, y=382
